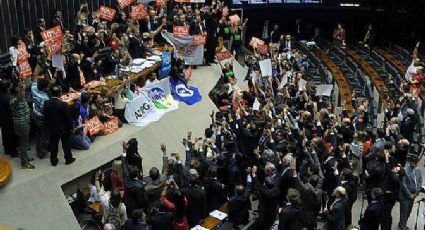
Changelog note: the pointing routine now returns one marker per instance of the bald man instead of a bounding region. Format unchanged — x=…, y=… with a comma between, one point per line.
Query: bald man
x=335, y=216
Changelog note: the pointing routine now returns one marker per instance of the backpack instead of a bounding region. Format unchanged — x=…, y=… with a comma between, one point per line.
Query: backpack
x=114, y=217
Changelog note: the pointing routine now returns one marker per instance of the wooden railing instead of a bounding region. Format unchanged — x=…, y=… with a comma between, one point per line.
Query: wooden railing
x=376, y=80
x=400, y=67
x=344, y=89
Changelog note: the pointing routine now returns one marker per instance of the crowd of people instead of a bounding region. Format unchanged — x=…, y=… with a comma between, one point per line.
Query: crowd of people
x=87, y=59
x=275, y=141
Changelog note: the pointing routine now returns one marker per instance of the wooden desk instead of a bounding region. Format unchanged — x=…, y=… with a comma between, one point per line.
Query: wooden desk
x=377, y=81
x=5, y=171
x=211, y=222
x=400, y=67
x=344, y=89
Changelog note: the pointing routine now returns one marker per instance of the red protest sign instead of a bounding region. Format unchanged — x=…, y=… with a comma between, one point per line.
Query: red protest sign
x=110, y=126
x=234, y=19
x=181, y=31
x=223, y=55
x=23, y=54
x=52, y=40
x=138, y=12
x=263, y=49
x=124, y=3
x=94, y=125
x=107, y=13
x=52, y=34
x=200, y=39
x=24, y=69
x=160, y=2
x=255, y=42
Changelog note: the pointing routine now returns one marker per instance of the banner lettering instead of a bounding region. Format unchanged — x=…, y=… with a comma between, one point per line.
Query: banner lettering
x=181, y=31
x=200, y=39
x=184, y=48
x=94, y=125
x=223, y=55
x=110, y=126
x=107, y=13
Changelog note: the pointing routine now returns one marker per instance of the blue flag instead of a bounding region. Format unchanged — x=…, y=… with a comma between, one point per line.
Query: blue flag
x=187, y=94
x=166, y=64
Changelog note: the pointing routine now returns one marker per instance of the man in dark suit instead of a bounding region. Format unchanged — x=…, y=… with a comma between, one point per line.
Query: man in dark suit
x=57, y=20
x=239, y=206
x=134, y=188
x=289, y=217
x=411, y=185
x=136, y=48
x=56, y=112
x=160, y=219
x=6, y=122
x=373, y=215
x=214, y=190
x=335, y=217
x=41, y=26
x=197, y=199
x=75, y=75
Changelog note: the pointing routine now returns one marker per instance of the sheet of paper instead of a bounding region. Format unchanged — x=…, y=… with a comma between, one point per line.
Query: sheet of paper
x=325, y=90
x=302, y=85
x=256, y=105
x=266, y=67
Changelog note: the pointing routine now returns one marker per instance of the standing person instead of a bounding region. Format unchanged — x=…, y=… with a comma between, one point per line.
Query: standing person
x=409, y=189
x=197, y=200
x=265, y=34
x=289, y=217
x=373, y=215
x=237, y=38
x=39, y=94
x=335, y=217
x=21, y=124
x=6, y=121
x=59, y=126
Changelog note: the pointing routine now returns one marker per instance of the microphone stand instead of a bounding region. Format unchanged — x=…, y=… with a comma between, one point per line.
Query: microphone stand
x=417, y=213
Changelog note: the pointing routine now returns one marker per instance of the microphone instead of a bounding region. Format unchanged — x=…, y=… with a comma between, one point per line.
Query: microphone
x=421, y=200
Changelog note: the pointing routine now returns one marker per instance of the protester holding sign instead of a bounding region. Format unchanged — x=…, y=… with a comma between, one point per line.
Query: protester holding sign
x=237, y=36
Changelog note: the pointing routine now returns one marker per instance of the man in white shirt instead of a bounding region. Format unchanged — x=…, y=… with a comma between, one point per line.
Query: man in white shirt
x=412, y=69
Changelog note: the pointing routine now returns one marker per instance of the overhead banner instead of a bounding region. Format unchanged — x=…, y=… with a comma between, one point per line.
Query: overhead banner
x=185, y=49
x=187, y=94
x=166, y=64
x=154, y=101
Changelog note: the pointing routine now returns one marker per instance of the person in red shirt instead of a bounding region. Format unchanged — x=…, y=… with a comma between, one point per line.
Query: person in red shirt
x=117, y=182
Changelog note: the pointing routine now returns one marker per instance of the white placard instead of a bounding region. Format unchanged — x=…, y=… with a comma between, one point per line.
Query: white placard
x=266, y=67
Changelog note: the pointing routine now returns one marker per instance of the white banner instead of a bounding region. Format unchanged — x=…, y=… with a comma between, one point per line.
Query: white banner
x=155, y=101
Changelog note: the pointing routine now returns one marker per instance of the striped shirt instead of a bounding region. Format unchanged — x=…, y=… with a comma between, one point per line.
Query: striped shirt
x=40, y=98
x=20, y=111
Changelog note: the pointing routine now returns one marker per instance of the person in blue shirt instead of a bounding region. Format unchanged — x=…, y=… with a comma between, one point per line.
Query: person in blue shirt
x=39, y=94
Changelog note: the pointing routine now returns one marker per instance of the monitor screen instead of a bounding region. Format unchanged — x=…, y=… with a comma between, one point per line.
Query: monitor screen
x=331, y=3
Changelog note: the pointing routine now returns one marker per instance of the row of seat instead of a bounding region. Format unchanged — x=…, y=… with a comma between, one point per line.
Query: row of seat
x=344, y=88
x=377, y=80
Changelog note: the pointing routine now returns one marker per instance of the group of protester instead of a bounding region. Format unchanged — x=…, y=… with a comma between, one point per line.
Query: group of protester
x=86, y=59
x=274, y=142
